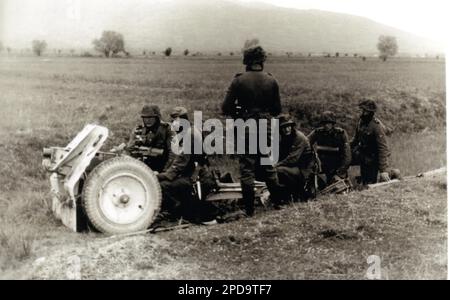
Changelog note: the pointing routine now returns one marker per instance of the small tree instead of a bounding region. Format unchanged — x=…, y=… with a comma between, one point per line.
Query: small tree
x=1, y=47
x=168, y=51
x=72, y=52
x=387, y=46
x=337, y=54
x=39, y=47
x=186, y=52
x=231, y=53
x=110, y=43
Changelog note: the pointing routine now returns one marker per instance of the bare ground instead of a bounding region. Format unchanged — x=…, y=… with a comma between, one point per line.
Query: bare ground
x=405, y=224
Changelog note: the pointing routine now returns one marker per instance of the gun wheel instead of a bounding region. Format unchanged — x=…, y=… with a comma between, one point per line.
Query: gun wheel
x=121, y=195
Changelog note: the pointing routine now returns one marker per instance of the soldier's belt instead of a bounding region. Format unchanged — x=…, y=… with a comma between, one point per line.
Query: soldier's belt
x=327, y=149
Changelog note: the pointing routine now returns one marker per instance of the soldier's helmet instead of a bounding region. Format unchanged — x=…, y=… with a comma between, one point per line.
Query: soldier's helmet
x=254, y=55
x=178, y=111
x=150, y=111
x=328, y=117
x=286, y=120
x=368, y=104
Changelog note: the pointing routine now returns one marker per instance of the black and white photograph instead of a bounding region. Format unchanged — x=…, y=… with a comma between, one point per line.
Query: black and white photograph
x=221, y=140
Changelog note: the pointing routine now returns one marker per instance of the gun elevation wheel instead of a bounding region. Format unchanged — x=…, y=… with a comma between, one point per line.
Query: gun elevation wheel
x=121, y=195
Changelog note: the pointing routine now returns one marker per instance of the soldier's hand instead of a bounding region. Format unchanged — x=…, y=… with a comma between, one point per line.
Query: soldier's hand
x=336, y=178
x=119, y=149
x=384, y=177
x=161, y=176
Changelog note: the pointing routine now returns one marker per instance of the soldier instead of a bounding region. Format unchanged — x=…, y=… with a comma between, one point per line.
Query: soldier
x=153, y=134
x=176, y=180
x=254, y=95
x=296, y=159
x=369, y=145
x=332, y=147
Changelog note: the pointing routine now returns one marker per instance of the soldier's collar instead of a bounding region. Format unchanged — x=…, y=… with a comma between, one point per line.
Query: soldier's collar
x=254, y=68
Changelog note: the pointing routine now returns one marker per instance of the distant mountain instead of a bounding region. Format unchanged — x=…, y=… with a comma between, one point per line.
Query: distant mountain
x=221, y=25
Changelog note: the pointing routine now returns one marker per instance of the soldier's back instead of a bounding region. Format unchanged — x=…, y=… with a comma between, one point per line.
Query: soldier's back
x=332, y=138
x=258, y=91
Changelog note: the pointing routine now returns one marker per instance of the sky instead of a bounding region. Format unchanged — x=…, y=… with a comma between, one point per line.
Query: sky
x=426, y=18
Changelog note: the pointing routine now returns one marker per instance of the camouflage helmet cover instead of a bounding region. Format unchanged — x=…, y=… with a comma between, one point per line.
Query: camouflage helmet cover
x=254, y=55
x=368, y=105
x=328, y=117
x=178, y=111
x=286, y=120
x=150, y=111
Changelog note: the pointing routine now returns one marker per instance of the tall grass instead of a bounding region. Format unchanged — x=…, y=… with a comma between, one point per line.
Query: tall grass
x=46, y=102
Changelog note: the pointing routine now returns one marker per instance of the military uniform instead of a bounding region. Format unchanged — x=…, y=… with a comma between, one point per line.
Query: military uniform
x=296, y=163
x=333, y=150
x=157, y=138
x=254, y=95
x=369, y=146
x=176, y=182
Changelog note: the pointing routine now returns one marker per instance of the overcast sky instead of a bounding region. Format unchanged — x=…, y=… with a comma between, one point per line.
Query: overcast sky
x=427, y=18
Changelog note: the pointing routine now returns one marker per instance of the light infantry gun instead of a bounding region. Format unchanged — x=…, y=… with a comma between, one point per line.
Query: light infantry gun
x=114, y=191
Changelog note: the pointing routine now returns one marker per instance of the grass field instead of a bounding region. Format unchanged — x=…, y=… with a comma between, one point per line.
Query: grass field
x=46, y=101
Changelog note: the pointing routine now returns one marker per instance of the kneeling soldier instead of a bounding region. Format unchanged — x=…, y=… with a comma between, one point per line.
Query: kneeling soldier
x=296, y=160
x=332, y=146
x=369, y=146
x=151, y=139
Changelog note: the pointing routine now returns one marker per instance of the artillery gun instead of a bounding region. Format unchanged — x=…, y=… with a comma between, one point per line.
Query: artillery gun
x=116, y=192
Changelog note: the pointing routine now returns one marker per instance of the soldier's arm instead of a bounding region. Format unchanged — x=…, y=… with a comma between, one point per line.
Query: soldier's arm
x=346, y=155
x=312, y=137
x=164, y=139
x=276, y=108
x=382, y=147
x=175, y=169
x=132, y=139
x=355, y=140
x=295, y=153
x=228, y=105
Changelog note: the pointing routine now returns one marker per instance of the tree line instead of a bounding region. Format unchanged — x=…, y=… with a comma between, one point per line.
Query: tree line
x=112, y=43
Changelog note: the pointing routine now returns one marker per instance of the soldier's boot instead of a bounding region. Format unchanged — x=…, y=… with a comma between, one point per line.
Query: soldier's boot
x=248, y=195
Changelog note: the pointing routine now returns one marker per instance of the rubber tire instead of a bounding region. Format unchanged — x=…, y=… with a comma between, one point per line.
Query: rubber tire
x=100, y=174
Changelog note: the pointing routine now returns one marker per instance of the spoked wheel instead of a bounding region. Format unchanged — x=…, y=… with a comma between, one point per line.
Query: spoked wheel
x=121, y=195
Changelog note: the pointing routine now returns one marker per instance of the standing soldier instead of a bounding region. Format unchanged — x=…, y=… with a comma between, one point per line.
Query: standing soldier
x=369, y=145
x=296, y=163
x=332, y=147
x=254, y=95
x=152, y=138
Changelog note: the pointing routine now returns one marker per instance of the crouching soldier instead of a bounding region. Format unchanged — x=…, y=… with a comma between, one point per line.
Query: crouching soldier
x=176, y=180
x=151, y=139
x=296, y=160
x=369, y=146
x=332, y=147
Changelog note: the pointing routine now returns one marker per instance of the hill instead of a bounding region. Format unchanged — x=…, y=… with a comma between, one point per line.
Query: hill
x=207, y=26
